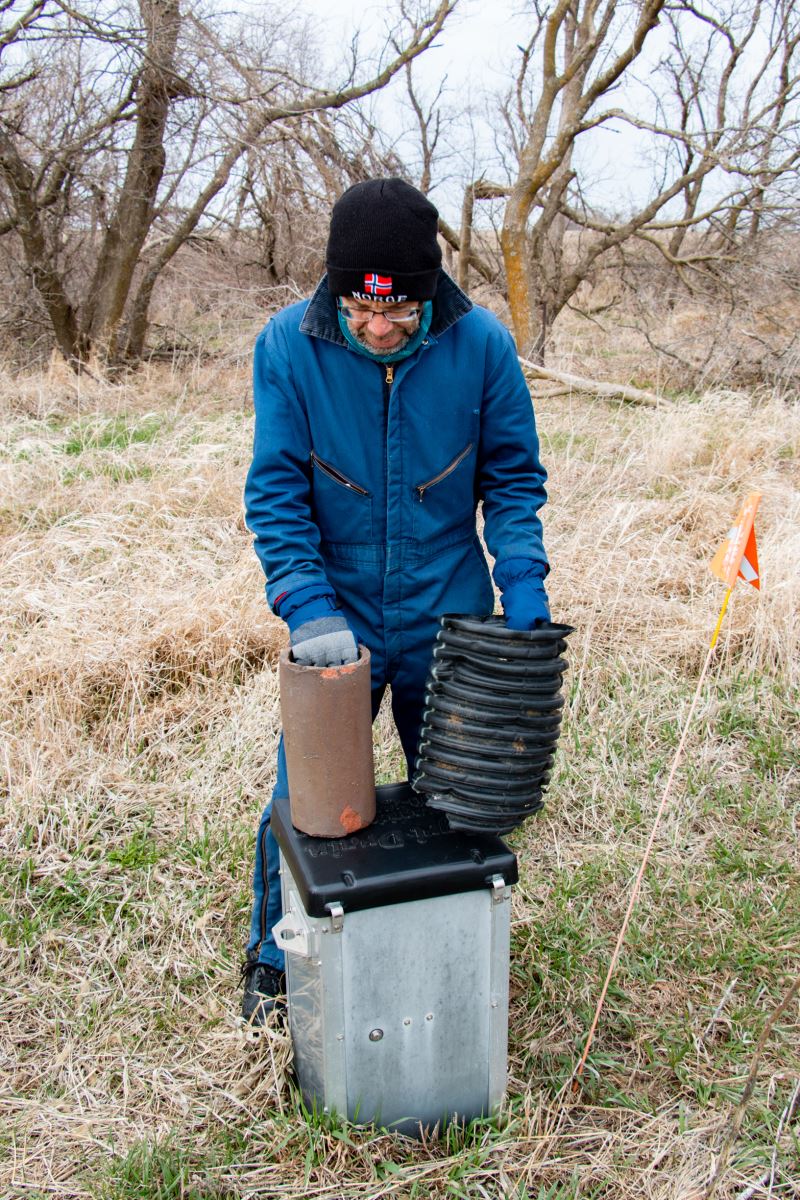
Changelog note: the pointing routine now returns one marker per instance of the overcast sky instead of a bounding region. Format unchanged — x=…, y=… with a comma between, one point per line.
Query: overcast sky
x=478, y=53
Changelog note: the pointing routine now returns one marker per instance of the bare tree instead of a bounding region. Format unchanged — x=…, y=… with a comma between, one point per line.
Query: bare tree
x=724, y=118
x=119, y=133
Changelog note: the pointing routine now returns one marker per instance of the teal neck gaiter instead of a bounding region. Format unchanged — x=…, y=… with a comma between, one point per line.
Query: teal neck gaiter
x=413, y=344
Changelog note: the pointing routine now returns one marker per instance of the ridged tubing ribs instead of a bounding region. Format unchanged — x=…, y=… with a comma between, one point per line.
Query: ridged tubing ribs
x=491, y=722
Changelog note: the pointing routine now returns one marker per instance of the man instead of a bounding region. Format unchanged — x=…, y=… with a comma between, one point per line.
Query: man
x=387, y=407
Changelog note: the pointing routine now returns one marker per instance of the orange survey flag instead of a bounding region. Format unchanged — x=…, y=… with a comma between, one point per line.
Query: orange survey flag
x=737, y=557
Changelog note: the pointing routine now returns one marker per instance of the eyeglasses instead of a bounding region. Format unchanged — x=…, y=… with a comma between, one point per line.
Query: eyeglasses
x=362, y=316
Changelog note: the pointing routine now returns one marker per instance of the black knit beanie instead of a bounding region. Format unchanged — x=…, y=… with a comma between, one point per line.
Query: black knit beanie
x=382, y=243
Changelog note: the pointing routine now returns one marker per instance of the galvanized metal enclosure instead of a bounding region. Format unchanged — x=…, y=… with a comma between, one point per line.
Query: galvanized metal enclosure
x=398, y=999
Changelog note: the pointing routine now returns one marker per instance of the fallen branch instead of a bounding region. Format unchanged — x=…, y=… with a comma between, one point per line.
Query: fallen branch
x=554, y=393
x=595, y=387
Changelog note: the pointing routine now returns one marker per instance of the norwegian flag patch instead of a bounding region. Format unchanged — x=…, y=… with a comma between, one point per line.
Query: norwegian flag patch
x=378, y=285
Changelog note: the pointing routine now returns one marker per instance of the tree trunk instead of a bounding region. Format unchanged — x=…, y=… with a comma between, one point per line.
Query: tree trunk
x=38, y=254
x=534, y=295
x=131, y=221
x=466, y=237
x=514, y=244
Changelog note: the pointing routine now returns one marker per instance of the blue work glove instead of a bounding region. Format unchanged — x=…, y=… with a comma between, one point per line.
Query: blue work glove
x=319, y=634
x=521, y=581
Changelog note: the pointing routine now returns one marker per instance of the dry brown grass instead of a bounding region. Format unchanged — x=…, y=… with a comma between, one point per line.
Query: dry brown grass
x=138, y=732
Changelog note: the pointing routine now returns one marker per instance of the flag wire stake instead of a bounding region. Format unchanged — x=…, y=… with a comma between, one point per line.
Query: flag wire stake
x=637, y=883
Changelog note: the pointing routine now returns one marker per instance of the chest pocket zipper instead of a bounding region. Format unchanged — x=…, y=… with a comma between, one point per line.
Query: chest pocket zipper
x=448, y=470
x=336, y=476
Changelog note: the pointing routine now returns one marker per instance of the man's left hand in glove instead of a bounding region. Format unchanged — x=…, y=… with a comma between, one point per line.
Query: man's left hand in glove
x=521, y=581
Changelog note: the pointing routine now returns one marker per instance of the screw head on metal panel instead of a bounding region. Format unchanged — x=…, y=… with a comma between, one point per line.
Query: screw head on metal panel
x=407, y=1021
x=375, y=1035
x=428, y=1016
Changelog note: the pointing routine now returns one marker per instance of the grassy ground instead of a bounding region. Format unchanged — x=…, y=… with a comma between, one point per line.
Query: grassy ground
x=139, y=725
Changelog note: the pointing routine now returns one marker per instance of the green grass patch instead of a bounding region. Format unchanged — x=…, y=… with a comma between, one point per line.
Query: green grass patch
x=74, y=899
x=166, y=1170
x=113, y=433
x=662, y=489
x=79, y=898
x=213, y=849
x=117, y=472
x=141, y=850
x=563, y=441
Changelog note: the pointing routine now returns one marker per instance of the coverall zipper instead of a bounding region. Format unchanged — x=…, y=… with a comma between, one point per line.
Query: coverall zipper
x=448, y=470
x=387, y=392
x=336, y=475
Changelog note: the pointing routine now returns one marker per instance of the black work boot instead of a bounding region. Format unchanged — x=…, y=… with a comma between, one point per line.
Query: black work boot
x=264, y=989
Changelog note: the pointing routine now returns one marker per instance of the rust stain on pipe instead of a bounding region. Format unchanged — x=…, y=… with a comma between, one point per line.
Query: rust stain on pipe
x=351, y=820
x=327, y=733
x=335, y=672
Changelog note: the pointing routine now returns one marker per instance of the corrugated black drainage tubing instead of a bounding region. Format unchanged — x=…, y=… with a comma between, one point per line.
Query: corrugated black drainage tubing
x=491, y=722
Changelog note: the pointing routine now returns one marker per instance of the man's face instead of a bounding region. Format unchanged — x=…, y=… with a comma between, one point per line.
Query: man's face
x=369, y=326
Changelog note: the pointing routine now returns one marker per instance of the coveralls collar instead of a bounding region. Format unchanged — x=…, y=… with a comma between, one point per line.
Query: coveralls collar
x=321, y=318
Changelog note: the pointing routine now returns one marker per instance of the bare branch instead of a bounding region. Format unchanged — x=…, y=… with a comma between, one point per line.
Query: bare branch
x=23, y=22
x=481, y=266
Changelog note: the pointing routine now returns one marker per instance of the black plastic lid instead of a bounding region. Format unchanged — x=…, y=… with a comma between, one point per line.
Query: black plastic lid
x=409, y=852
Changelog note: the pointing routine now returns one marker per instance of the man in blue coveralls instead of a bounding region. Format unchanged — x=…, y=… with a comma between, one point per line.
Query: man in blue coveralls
x=388, y=406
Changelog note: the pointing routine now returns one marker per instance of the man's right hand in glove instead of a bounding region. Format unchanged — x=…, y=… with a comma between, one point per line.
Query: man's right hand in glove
x=320, y=635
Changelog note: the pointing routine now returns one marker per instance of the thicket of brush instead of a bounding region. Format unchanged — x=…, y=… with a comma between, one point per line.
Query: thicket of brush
x=731, y=323
x=139, y=725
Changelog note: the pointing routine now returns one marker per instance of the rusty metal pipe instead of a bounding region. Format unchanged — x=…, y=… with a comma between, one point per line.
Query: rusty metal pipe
x=327, y=735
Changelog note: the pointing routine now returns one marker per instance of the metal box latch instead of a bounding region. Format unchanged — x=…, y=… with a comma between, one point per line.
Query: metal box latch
x=499, y=890
x=337, y=917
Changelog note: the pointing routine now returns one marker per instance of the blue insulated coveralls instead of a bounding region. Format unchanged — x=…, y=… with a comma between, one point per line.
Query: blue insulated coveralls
x=369, y=477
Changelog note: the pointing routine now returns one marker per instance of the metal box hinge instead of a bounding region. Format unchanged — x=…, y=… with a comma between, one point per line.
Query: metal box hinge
x=337, y=917
x=499, y=889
